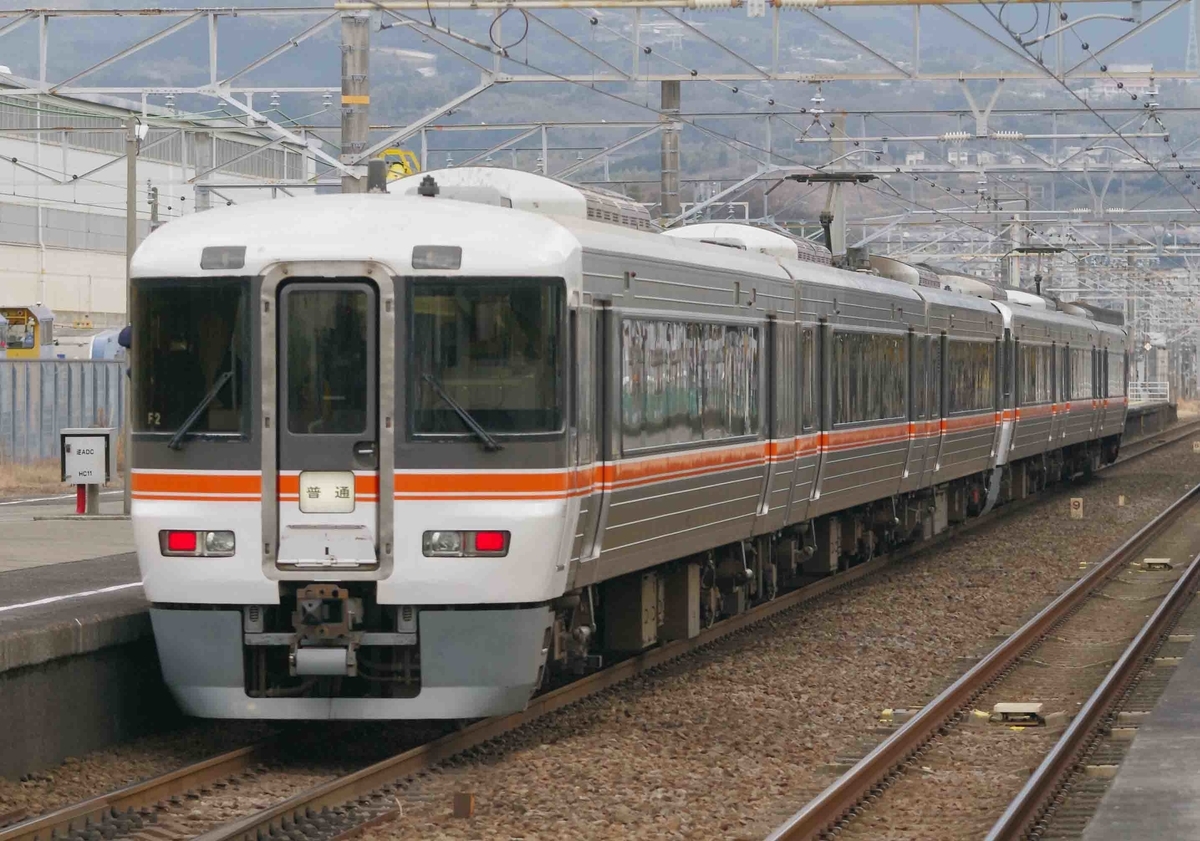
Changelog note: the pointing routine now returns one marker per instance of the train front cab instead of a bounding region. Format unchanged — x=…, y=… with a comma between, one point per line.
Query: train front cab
x=328, y=603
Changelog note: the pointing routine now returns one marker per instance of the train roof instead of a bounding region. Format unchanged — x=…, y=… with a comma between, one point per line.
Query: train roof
x=494, y=240
x=817, y=274
x=956, y=299
x=531, y=191
x=752, y=238
x=611, y=239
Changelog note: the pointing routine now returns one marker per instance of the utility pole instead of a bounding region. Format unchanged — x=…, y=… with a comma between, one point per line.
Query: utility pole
x=204, y=167
x=154, y=220
x=356, y=97
x=131, y=150
x=669, y=206
x=836, y=202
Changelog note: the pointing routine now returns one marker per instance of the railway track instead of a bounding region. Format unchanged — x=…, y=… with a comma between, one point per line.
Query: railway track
x=366, y=796
x=1030, y=812
x=129, y=809
x=851, y=795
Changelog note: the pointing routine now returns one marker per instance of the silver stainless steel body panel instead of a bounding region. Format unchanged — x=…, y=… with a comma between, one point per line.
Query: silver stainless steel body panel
x=632, y=492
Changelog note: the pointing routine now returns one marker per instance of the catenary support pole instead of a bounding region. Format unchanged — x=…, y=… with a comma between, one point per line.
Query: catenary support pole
x=131, y=149
x=205, y=161
x=669, y=206
x=356, y=97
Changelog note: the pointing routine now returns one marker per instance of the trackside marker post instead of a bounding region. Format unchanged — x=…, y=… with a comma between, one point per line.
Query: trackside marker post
x=88, y=461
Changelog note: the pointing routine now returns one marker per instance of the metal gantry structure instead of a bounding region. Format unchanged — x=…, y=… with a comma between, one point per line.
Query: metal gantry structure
x=984, y=129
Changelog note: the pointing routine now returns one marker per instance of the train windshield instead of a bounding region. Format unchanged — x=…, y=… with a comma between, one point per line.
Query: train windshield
x=191, y=337
x=494, y=347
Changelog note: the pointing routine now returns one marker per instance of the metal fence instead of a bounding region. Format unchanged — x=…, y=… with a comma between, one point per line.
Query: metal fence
x=38, y=397
x=1149, y=392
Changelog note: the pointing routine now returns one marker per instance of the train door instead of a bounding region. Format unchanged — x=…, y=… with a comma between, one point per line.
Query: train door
x=1064, y=385
x=780, y=448
x=328, y=407
x=937, y=406
x=587, y=398
x=918, y=348
x=808, y=426
x=1105, y=397
x=824, y=402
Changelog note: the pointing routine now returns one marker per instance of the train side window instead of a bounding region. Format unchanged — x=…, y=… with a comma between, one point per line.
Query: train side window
x=870, y=377
x=1081, y=374
x=1116, y=374
x=970, y=368
x=683, y=382
x=1035, y=374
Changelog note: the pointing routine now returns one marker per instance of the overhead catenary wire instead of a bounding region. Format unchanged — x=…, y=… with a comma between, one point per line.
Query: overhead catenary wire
x=1138, y=154
x=734, y=142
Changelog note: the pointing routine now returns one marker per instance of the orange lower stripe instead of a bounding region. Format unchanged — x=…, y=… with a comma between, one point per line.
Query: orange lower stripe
x=562, y=484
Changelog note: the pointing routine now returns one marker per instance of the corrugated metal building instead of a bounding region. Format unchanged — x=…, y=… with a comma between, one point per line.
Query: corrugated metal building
x=62, y=193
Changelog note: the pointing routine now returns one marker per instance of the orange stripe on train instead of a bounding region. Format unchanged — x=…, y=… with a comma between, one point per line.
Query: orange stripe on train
x=204, y=483
x=559, y=484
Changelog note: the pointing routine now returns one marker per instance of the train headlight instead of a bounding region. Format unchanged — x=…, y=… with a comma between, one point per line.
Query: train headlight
x=219, y=543
x=196, y=544
x=470, y=544
x=447, y=543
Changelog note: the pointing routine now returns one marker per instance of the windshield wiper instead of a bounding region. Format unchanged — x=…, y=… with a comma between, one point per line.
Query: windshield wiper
x=176, y=441
x=489, y=443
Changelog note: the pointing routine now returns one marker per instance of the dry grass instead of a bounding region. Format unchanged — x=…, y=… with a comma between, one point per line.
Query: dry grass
x=1188, y=409
x=39, y=478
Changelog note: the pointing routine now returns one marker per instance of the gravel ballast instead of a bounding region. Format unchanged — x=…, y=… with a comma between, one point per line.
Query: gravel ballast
x=732, y=741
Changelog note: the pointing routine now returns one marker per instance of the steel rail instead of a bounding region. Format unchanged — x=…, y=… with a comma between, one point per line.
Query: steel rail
x=1027, y=808
x=100, y=810
x=824, y=812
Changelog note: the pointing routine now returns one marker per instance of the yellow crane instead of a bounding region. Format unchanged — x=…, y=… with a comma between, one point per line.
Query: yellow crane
x=401, y=162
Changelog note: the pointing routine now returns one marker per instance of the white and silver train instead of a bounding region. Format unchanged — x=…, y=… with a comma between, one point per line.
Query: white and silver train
x=408, y=456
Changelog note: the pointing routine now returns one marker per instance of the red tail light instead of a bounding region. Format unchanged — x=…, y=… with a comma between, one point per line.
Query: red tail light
x=181, y=541
x=489, y=541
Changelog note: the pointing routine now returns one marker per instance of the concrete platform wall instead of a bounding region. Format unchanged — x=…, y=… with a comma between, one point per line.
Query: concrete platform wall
x=77, y=681
x=69, y=706
x=1149, y=420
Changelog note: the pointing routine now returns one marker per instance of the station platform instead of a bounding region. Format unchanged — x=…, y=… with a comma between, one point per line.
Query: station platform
x=1156, y=793
x=1149, y=418
x=45, y=531
x=77, y=663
